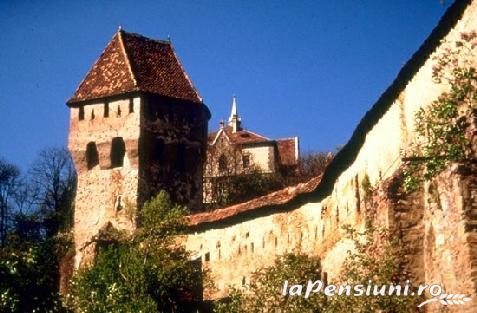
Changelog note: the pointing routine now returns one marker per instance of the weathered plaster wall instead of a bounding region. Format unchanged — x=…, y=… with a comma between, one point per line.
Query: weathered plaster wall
x=262, y=156
x=99, y=187
x=441, y=242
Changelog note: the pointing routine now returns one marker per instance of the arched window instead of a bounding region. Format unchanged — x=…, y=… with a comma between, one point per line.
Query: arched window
x=92, y=158
x=222, y=163
x=118, y=150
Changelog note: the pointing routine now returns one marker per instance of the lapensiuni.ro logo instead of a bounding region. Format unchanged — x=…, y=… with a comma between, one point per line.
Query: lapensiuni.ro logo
x=371, y=289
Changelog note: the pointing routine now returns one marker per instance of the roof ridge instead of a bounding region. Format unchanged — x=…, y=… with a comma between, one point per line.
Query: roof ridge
x=269, y=139
x=185, y=73
x=165, y=42
x=126, y=56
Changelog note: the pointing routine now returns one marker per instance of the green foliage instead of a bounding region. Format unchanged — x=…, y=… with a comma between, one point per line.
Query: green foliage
x=264, y=293
x=29, y=277
x=145, y=272
x=234, y=189
x=375, y=258
x=442, y=125
x=367, y=188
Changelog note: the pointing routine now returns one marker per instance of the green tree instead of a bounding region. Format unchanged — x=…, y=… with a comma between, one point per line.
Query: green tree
x=143, y=272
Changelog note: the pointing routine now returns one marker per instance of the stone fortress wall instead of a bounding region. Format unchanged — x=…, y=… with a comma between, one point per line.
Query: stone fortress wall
x=103, y=185
x=438, y=225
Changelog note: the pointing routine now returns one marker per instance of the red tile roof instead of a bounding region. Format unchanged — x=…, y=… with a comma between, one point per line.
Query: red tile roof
x=132, y=62
x=280, y=197
x=240, y=137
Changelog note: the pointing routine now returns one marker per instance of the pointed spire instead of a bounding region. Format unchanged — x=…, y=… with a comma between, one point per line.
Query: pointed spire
x=234, y=119
x=233, y=113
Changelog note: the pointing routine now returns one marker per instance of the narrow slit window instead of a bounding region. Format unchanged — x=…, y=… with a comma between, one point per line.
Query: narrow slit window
x=131, y=105
x=106, y=109
x=81, y=113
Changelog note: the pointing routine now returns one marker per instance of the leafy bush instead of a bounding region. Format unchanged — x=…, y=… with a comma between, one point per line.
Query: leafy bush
x=376, y=259
x=145, y=272
x=442, y=125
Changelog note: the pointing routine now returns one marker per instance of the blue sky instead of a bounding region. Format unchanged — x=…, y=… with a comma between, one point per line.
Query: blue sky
x=305, y=68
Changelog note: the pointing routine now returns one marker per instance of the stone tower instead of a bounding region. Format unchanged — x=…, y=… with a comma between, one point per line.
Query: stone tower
x=137, y=125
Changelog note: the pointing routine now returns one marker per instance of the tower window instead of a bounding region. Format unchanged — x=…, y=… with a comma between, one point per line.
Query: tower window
x=92, y=114
x=119, y=111
x=118, y=150
x=81, y=113
x=92, y=158
x=106, y=109
x=131, y=105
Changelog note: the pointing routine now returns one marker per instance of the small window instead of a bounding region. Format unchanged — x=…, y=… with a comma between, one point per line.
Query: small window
x=118, y=150
x=106, y=109
x=92, y=114
x=131, y=105
x=207, y=257
x=246, y=161
x=92, y=158
x=81, y=113
x=118, y=205
x=118, y=113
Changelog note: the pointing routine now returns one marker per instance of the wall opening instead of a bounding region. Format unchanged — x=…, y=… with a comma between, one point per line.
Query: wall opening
x=118, y=112
x=131, y=105
x=106, y=109
x=92, y=157
x=118, y=205
x=118, y=150
x=81, y=113
x=92, y=115
x=207, y=257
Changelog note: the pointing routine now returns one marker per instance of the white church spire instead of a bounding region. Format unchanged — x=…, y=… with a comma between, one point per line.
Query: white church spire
x=234, y=119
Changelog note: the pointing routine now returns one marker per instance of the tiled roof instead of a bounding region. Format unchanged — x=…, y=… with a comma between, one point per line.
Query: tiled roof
x=132, y=62
x=240, y=137
x=287, y=151
x=280, y=197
